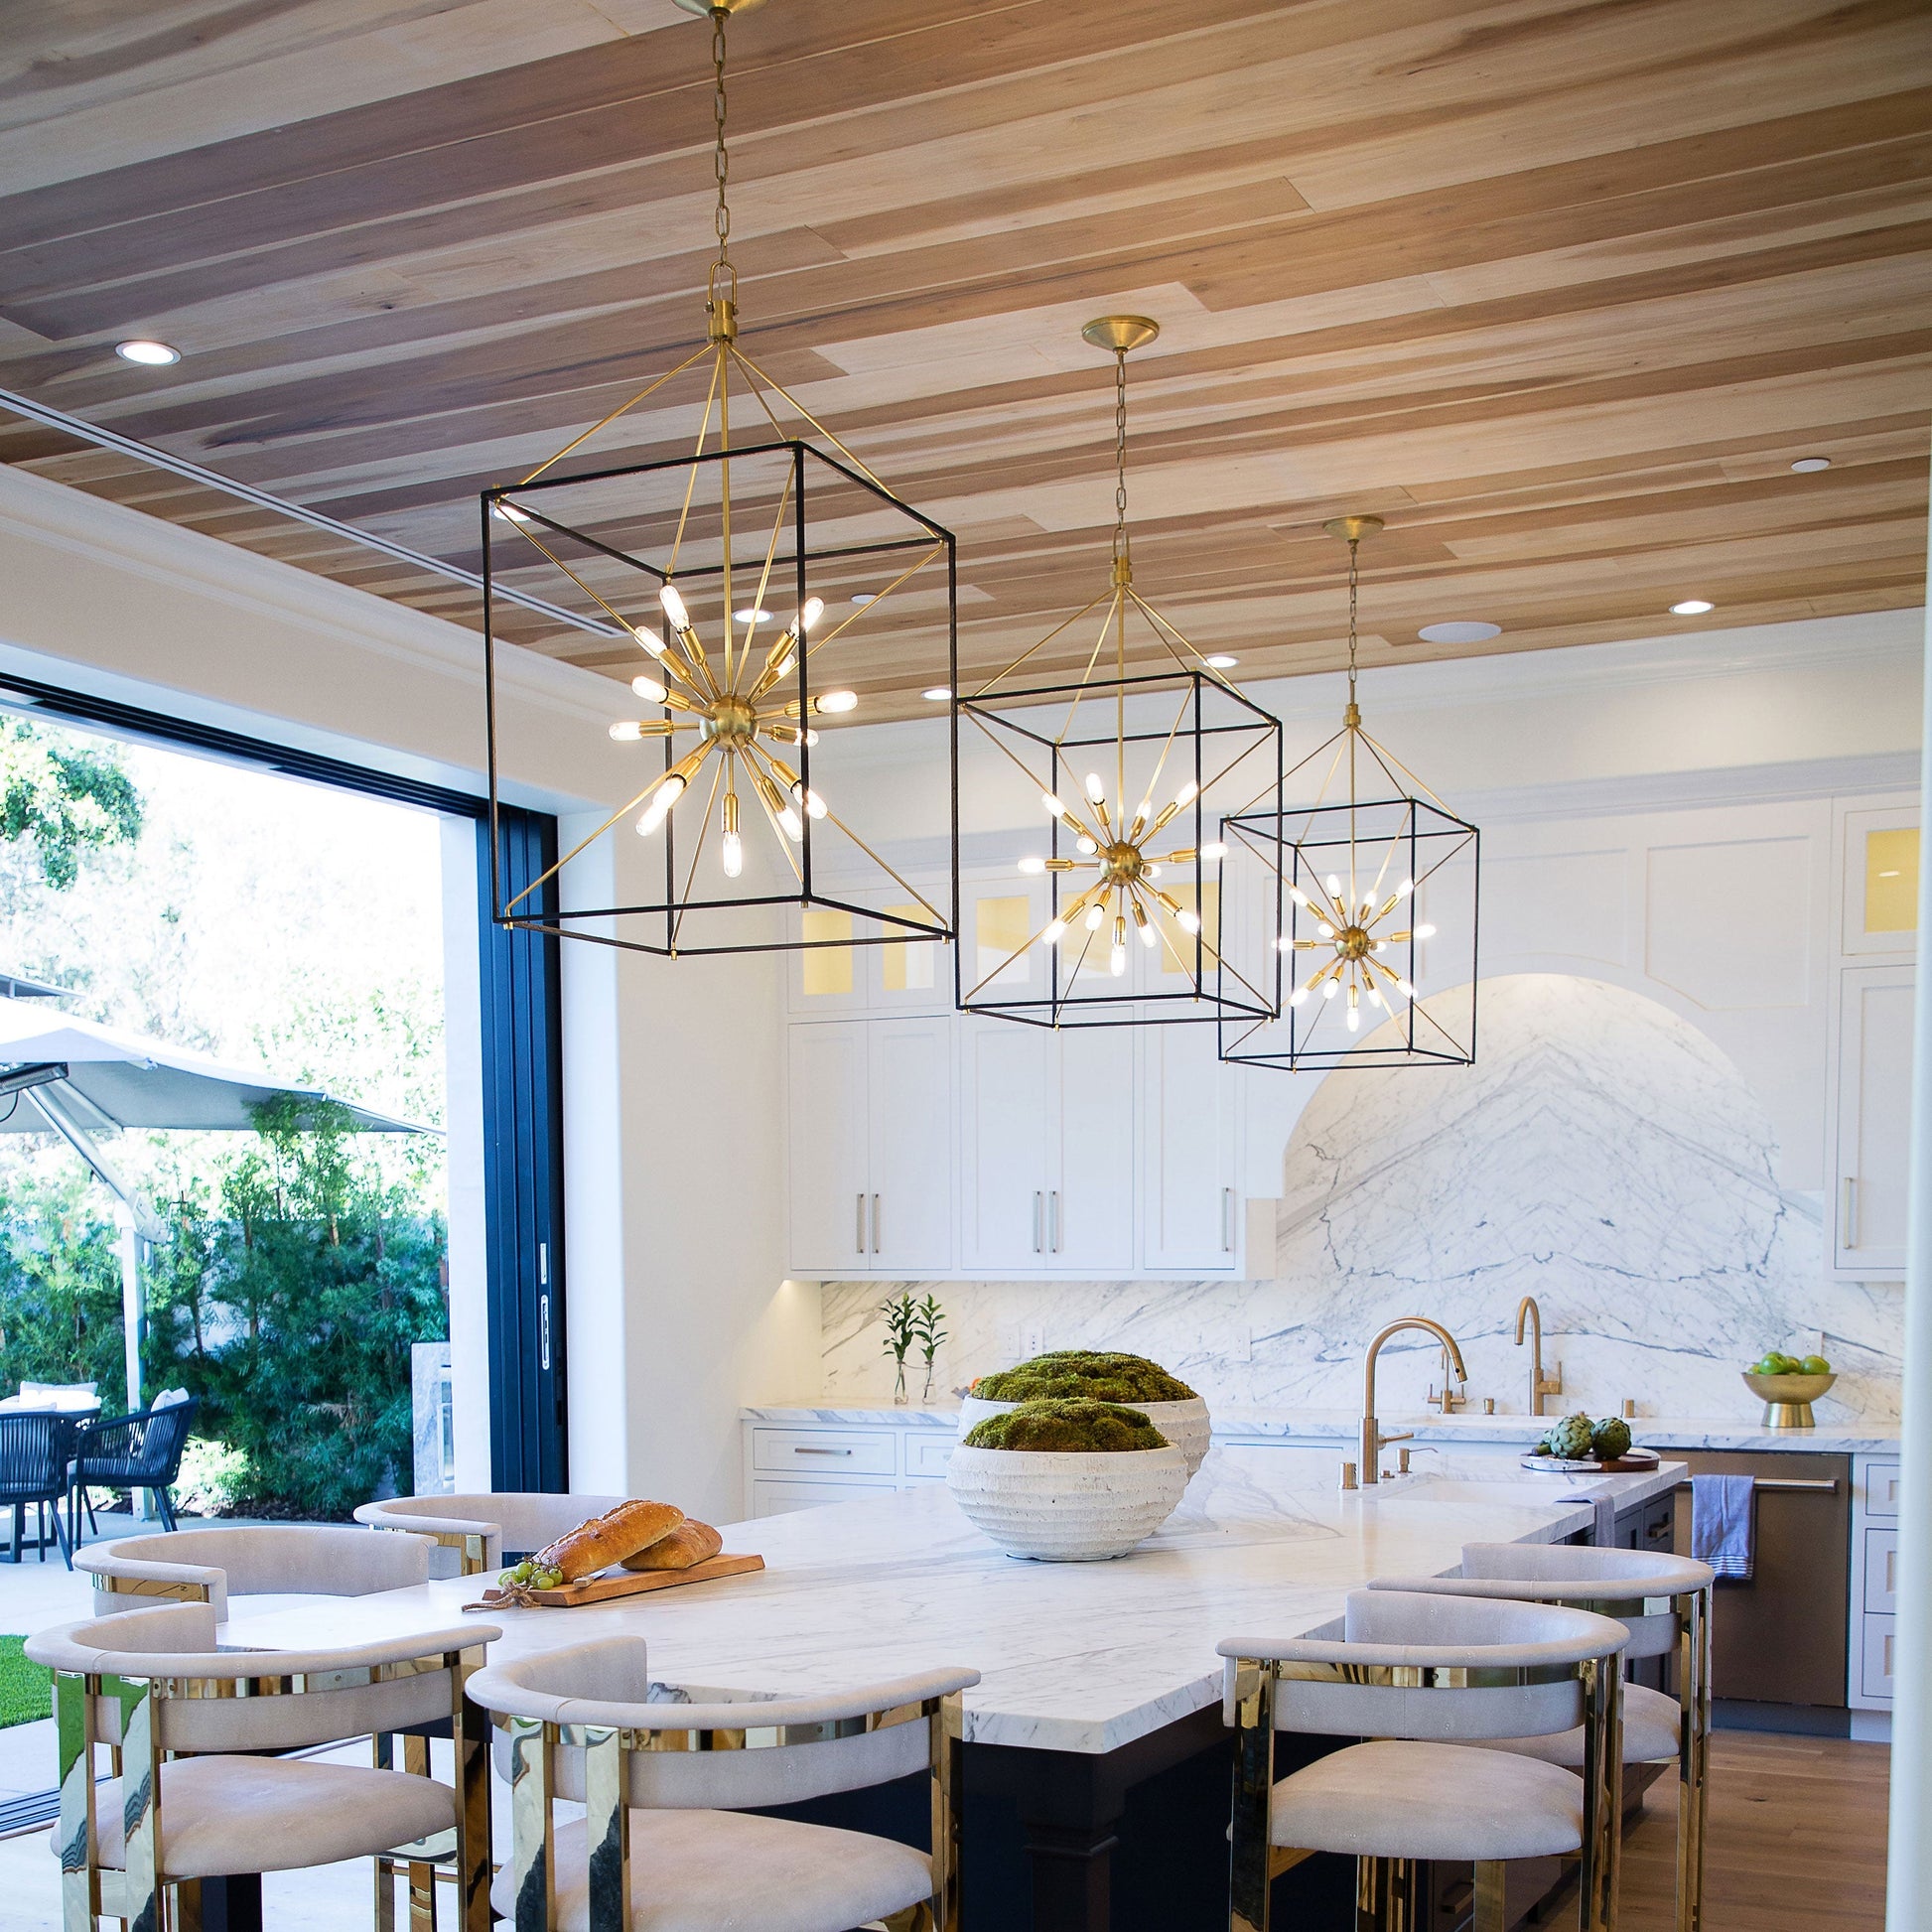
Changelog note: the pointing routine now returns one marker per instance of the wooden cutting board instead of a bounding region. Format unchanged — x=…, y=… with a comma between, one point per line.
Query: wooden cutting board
x=608, y=1583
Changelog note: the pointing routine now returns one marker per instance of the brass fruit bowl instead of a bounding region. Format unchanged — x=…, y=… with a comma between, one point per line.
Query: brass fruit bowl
x=1787, y=1399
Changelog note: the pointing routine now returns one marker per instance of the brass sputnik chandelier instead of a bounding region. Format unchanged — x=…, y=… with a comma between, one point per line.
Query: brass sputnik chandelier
x=1131, y=760
x=1358, y=883
x=738, y=553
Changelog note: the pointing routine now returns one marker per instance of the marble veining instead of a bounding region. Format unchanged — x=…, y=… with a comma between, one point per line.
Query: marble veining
x=1077, y=1657
x=1603, y=1154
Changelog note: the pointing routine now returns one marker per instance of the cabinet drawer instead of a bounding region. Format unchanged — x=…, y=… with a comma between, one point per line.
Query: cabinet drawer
x=824, y=1451
x=1881, y=1488
x=1881, y=1570
x=774, y=1498
x=928, y=1452
x=1875, y=1675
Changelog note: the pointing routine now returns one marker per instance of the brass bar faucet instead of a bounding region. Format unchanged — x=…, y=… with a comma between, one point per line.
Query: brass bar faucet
x=1527, y=1310
x=1373, y=1440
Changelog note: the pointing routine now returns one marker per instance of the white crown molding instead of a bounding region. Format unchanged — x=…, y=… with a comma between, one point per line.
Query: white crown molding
x=1875, y=637
x=115, y=537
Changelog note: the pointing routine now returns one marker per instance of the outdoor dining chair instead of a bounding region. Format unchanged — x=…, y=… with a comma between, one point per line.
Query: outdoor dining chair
x=34, y=1445
x=138, y=1452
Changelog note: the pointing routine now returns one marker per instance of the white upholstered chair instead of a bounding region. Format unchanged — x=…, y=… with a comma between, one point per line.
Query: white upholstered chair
x=184, y=1804
x=486, y=1530
x=1664, y=1602
x=1425, y=1677
x=277, y=1560
x=667, y=1784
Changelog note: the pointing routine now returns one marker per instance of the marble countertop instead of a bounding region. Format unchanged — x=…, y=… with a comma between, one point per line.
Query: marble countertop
x=1074, y=1657
x=1344, y=1426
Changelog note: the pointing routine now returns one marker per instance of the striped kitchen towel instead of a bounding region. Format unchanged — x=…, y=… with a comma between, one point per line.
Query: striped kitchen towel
x=1721, y=1524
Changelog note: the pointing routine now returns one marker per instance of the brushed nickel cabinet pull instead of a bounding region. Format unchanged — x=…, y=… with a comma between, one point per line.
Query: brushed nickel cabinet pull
x=875, y=1223
x=1227, y=1220
x=1039, y=1198
x=1849, y=1221
x=798, y=1448
x=1054, y=1197
x=862, y=1224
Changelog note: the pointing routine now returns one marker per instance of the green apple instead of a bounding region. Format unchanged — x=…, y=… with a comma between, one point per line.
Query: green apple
x=1768, y=1365
x=1815, y=1365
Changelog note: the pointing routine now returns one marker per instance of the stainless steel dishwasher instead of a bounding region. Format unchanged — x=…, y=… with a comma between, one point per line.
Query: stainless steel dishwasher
x=1778, y=1642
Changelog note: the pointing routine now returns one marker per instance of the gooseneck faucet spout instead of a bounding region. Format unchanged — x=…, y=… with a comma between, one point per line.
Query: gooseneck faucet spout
x=1373, y=1440
x=1540, y=1386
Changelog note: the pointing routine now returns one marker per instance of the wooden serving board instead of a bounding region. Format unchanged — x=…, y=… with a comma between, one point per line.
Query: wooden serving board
x=608, y=1583
x=1636, y=1462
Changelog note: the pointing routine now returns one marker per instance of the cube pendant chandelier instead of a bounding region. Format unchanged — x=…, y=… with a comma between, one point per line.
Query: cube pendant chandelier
x=1370, y=951
x=750, y=590
x=1130, y=761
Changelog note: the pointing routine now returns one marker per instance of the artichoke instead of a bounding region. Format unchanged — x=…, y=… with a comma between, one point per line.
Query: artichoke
x=1610, y=1439
x=1570, y=1438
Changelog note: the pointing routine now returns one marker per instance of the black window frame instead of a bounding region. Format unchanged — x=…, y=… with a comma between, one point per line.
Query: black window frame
x=521, y=1057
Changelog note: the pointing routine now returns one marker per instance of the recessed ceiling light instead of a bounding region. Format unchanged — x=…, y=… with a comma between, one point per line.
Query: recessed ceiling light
x=1691, y=606
x=1222, y=661
x=1808, y=465
x=749, y=614
x=865, y=596
x=511, y=513
x=151, y=356
x=937, y=694
x=1468, y=630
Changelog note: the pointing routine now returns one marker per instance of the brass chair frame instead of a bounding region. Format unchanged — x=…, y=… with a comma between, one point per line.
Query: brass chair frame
x=139, y=1894
x=1385, y=1889
x=533, y=1747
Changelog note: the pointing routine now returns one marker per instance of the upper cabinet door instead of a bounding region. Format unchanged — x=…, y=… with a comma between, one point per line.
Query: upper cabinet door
x=1875, y=1079
x=1190, y=1213
x=1089, y=1219
x=1007, y=1076
x=910, y=1210
x=827, y=1109
x=1880, y=873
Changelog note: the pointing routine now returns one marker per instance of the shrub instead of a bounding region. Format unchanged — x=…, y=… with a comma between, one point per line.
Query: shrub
x=1067, y=1428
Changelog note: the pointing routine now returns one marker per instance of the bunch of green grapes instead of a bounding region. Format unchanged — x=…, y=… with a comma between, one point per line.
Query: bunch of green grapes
x=530, y=1576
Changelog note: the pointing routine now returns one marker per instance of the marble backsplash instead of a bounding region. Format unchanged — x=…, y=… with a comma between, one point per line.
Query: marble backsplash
x=1602, y=1156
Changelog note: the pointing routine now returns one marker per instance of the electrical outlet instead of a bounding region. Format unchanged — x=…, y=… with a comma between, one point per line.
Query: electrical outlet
x=1243, y=1349
x=1033, y=1339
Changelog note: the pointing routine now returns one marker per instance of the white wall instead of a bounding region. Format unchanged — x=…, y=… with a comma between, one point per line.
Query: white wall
x=674, y=1290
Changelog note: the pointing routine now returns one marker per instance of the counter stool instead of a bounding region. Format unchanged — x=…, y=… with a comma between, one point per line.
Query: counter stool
x=667, y=1786
x=484, y=1530
x=198, y=1791
x=1664, y=1602
x=262, y=1560
x=1427, y=1679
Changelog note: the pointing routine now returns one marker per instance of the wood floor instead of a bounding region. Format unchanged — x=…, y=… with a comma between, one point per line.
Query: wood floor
x=1797, y=1839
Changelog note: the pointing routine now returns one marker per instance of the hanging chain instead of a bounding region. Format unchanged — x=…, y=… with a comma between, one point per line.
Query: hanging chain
x=721, y=156
x=1354, y=581
x=1120, y=454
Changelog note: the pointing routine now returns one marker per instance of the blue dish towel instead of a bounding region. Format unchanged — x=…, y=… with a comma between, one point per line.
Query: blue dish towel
x=1721, y=1524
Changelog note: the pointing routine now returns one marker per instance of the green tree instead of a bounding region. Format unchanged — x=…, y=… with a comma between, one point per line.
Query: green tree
x=64, y=796
x=59, y=1285
x=292, y=1312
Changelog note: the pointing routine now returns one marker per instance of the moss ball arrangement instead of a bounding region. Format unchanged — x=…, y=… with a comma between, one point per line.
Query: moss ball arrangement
x=1067, y=1426
x=1083, y=1372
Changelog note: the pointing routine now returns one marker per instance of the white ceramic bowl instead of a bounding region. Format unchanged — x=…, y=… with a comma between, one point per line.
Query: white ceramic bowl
x=1066, y=1508
x=1185, y=1424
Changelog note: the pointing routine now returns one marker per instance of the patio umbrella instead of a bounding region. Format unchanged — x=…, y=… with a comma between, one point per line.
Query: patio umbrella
x=16, y=986
x=75, y=1078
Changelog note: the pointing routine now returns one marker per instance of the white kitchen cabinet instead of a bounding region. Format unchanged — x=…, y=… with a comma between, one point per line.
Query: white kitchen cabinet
x=870, y=1116
x=911, y=1121
x=829, y=1168
x=1047, y=1133
x=1189, y=1204
x=1872, y=1127
x=1875, y=1590
x=803, y=1464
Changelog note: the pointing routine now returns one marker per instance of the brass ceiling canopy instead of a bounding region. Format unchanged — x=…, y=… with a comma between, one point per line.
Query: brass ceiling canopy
x=704, y=9
x=1121, y=335
x=1350, y=877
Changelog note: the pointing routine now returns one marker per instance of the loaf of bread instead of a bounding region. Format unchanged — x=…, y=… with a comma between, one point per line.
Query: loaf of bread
x=690, y=1543
x=608, y=1539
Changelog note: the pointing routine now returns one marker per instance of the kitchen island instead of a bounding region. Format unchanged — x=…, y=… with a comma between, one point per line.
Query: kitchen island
x=1095, y=1678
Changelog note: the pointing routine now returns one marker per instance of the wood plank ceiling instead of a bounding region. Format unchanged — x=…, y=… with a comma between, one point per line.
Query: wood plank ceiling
x=1560, y=288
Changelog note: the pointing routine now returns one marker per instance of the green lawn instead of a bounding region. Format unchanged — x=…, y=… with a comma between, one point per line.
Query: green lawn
x=24, y=1686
